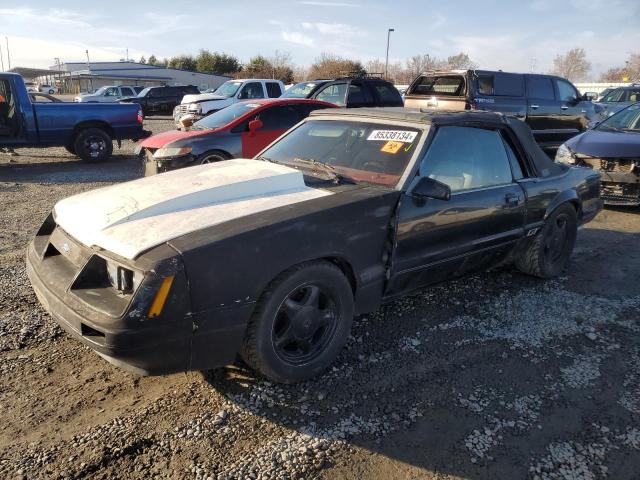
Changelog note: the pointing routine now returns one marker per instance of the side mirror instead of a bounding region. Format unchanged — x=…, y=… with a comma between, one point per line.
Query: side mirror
x=255, y=124
x=431, y=188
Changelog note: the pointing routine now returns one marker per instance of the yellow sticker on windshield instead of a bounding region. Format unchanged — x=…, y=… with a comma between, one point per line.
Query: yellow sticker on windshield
x=391, y=147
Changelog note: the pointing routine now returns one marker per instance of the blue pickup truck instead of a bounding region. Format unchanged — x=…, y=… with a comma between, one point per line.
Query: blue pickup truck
x=86, y=130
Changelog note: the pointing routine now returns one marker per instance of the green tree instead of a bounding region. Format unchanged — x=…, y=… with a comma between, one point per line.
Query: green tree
x=183, y=62
x=216, y=62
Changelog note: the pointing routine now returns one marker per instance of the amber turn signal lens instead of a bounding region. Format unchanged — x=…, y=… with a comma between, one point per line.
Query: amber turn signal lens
x=158, y=302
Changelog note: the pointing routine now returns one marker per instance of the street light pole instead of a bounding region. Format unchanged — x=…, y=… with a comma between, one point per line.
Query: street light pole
x=386, y=63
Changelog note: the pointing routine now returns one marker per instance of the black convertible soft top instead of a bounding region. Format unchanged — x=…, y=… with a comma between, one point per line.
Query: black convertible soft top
x=542, y=165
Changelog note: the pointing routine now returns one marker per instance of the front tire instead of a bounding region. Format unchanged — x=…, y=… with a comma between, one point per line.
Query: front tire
x=213, y=157
x=93, y=145
x=548, y=254
x=300, y=324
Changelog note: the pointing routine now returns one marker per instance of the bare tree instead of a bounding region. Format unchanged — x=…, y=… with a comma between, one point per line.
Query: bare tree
x=461, y=61
x=424, y=63
x=573, y=65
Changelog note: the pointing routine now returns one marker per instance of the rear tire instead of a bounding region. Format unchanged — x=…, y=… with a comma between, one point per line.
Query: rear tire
x=300, y=323
x=548, y=254
x=93, y=145
x=212, y=157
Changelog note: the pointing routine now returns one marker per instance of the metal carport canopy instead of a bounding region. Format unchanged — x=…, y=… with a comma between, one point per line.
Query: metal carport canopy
x=27, y=72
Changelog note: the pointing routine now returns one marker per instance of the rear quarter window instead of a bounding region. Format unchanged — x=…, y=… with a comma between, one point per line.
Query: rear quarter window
x=273, y=90
x=501, y=84
x=442, y=85
x=387, y=93
x=540, y=87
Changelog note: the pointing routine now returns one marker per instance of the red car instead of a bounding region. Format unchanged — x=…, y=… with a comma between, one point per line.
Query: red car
x=237, y=131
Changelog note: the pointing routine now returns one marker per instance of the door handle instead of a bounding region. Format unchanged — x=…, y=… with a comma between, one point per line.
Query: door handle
x=563, y=107
x=535, y=106
x=512, y=199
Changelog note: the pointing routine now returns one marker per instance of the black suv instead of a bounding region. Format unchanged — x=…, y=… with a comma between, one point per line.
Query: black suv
x=161, y=100
x=353, y=92
x=550, y=105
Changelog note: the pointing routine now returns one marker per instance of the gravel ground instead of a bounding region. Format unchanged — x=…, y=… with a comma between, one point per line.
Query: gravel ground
x=496, y=375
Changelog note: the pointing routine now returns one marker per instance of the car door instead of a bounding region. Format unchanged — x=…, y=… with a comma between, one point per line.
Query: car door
x=543, y=109
x=111, y=94
x=475, y=228
x=12, y=131
x=275, y=121
x=572, y=111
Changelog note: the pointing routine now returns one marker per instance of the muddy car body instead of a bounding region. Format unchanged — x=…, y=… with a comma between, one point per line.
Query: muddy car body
x=272, y=258
x=612, y=148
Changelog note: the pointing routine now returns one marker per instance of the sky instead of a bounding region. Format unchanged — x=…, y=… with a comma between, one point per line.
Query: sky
x=514, y=35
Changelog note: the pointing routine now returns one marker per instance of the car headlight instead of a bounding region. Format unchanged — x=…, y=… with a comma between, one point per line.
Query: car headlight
x=172, y=152
x=565, y=155
x=197, y=108
x=123, y=279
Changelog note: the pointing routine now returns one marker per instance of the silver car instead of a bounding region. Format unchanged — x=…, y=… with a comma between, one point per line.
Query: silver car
x=617, y=99
x=109, y=94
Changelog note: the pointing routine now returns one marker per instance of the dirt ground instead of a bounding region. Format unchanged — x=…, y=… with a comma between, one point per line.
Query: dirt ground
x=497, y=375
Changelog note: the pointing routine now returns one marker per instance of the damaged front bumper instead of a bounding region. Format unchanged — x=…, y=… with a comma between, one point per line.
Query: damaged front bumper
x=619, y=188
x=67, y=280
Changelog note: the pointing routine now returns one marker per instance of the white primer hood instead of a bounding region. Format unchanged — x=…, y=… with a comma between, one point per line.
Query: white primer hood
x=132, y=217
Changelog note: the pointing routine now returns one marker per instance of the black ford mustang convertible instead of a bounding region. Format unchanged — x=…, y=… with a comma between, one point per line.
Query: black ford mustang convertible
x=272, y=257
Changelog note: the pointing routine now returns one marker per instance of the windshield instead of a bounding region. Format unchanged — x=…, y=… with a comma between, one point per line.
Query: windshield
x=100, y=91
x=224, y=117
x=300, y=90
x=365, y=152
x=228, y=89
x=144, y=91
x=627, y=120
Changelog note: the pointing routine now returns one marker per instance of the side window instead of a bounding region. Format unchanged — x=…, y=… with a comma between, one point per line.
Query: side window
x=251, y=90
x=485, y=84
x=540, y=87
x=278, y=118
x=126, y=92
x=358, y=95
x=466, y=158
x=387, y=93
x=111, y=92
x=633, y=95
x=335, y=94
x=8, y=116
x=615, y=96
x=273, y=89
x=516, y=168
x=508, y=85
x=154, y=93
x=566, y=91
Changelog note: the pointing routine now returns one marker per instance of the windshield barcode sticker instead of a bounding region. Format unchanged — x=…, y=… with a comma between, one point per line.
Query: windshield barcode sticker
x=395, y=135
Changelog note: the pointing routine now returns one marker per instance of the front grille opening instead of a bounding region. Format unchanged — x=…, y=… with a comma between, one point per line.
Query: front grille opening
x=51, y=251
x=87, y=331
x=47, y=227
x=93, y=275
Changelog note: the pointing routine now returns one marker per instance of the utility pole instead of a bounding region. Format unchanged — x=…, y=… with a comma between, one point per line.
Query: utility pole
x=8, y=57
x=1, y=58
x=386, y=63
x=88, y=68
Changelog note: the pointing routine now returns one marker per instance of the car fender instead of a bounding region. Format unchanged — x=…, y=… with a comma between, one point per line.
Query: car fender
x=565, y=196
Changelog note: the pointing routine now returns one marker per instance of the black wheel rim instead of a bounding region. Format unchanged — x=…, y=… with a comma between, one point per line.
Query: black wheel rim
x=305, y=324
x=556, y=238
x=94, y=145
